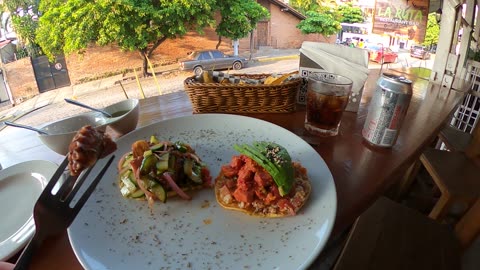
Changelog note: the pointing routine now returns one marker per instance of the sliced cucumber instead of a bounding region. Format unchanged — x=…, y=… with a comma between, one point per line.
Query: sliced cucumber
x=148, y=163
x=159, y=192
x=162, y=163
x=153, y=140
x=137, y=194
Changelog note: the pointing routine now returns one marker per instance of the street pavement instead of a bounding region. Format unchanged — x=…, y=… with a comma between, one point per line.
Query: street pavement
x=50, y=106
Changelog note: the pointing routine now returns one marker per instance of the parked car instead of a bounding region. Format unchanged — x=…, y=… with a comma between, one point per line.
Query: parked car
x=381, y=54
x=211, y=60
x=419, y=51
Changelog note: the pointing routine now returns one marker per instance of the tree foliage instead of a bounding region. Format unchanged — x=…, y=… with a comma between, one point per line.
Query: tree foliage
x=325, y=22
x=432, y=32
x=324, y=16
x=24, y=15
x=351, y=14
x=68, y=26
x=239, y=18
x=312, y=5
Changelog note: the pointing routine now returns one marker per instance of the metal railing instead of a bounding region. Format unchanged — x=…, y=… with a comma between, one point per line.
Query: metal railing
x=466, y=117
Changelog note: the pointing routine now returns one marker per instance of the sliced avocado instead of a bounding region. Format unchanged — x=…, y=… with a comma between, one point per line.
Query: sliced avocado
x=274, y=159
x=257, y=157
x=282, y=160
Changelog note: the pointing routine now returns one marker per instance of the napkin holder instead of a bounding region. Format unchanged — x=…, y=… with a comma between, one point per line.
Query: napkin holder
x=308, y=65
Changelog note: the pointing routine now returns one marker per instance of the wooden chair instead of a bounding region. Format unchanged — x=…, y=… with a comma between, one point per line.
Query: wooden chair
x=455, y=172
x=453, y=138
x=392, y=236
x=456, y=176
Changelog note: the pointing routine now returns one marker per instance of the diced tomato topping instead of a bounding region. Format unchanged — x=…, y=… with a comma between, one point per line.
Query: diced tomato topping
x=285, y=204
x=252, y=183
x=231, y=183
x=274, y=191
x=260, y=192
x=237, y=162
x=243, y=195
x=262, y=178
x=229, y=171
x=245, y=178
x=251, y=164
x=270, y=198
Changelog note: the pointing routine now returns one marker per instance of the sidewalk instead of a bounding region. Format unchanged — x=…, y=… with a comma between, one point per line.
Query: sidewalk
x=92, y=88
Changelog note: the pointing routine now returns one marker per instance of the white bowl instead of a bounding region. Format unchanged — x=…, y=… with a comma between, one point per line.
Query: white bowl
x=125, y=116
x=61, y=132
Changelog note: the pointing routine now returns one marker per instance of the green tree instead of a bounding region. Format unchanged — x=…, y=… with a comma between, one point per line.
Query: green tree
x=325, y=22
x=24, y=15
x=312, y=5
x=68, y=26
x=351, y=14
x=432, y=32
x=239, y=18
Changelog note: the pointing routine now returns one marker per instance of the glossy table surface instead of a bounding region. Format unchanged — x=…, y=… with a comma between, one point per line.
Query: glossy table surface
x=361, y=172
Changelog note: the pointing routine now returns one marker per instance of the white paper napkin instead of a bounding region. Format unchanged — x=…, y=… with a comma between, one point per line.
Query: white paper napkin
x=335, y=58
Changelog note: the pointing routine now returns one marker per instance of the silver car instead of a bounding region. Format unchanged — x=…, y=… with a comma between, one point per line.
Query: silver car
x=211, y=60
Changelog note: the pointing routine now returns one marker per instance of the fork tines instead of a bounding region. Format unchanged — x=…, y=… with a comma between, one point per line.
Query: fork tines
x=72, y=184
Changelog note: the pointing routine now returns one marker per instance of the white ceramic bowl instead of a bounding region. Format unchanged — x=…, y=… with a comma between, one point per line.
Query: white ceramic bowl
x=125, y=116
x=61, y=132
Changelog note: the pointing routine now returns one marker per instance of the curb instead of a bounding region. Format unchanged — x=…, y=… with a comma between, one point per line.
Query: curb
x=267, y=59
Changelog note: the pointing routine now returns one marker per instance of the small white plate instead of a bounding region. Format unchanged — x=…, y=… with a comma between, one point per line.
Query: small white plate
x=20, y=186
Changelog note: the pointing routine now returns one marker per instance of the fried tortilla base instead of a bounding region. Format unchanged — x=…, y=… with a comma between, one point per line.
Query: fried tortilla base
x=301, y=179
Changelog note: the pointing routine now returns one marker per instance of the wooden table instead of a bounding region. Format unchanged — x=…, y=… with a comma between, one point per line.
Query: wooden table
x=361, y=173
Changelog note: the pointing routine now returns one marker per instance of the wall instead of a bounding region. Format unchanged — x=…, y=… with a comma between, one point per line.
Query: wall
x=282, y=32
x=20, y=78
x=285, y=34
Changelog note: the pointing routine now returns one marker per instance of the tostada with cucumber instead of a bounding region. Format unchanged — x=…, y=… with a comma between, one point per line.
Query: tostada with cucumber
x=263, y=181
x=157, y=170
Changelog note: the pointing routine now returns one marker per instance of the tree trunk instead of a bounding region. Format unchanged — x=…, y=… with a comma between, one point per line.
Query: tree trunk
x=143, y=55
x=147, y=53
x=235, y=47
x=219, y=42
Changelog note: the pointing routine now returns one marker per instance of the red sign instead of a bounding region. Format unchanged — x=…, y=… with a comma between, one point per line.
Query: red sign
x=405, y=19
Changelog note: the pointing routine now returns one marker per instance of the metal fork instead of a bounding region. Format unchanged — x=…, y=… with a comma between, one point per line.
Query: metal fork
x=52, y=212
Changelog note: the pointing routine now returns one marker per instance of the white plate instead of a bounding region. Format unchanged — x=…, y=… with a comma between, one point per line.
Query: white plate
x=20, y=186
x=115, y=233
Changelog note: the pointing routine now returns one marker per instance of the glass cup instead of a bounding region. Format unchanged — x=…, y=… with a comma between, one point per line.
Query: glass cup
x=327, y=97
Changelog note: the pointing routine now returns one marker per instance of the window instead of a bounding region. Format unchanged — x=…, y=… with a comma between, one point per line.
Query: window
x=217, y=54
x=204, y=56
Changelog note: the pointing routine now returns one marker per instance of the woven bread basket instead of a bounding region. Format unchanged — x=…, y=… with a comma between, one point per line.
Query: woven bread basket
x=242, y=98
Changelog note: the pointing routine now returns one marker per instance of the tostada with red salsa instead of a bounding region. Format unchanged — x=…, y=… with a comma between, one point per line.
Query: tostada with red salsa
x=263, y=181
